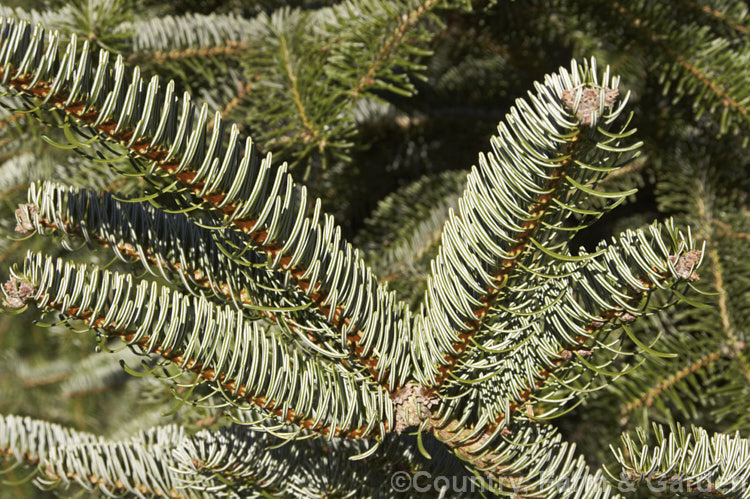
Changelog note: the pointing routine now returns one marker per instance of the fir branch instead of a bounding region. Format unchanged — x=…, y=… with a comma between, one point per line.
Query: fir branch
x=171, y=38
x=505, y=267
x=173, y=245
x=35, y=438
x=383, y=357
x=67, y=456
x=189, y=332
x=530, y=460
x=694, y=462
x=605, y=321
x=725, y=96
x=390, y=45
x=231, y=49
x=233, y=461
x=656, y=391
x=137, y=233
x=310, y=131
x=728, y=100
x=512, y=398
x=487, y=247
x=706, y=225
x=719, y=16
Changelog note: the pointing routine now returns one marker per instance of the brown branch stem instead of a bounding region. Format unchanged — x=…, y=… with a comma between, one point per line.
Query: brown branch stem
x=648, y=397
x=229, y=385
x=310, y=133
x=230, y=49
x=504, y=269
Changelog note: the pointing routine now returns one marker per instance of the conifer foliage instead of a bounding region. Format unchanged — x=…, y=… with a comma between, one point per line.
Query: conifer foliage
x=245, y=252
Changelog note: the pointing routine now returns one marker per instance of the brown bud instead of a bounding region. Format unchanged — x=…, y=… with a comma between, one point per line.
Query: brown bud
x=17, y=293
x=627, y=317
x=588, y=106
x=685, y=263
x=24, y=217
x=412, y=404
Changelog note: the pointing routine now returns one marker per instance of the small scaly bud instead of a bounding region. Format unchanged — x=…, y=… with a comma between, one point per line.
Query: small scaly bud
x=17, y=293
x=412, y=405
x=24, y=215
x=684, y=264
x=588, y=107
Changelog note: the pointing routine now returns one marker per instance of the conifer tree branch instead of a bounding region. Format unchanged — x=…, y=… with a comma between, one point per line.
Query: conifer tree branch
x=650, y=37
x=608, y=320
x=47, y=226
x=231, y=49
x=310, y=131
x=189, y=36
x=390, y=44
x=379, y=354
x=40, y=442
x=134, y=233
x=707, y=230
x=504, y=269
x=694, y=462
x=656, y=391
x=232, y=461
x=427, y=245
x=182, y=329
x=117, y=488
x=728, y=100
x=718, y=15
x=469, y=440
x=151, y=463
x=526, y=461
x=534, y=192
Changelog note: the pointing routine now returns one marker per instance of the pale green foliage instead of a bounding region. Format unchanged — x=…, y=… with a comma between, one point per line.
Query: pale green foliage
x=185, y=185
x=691, y=463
